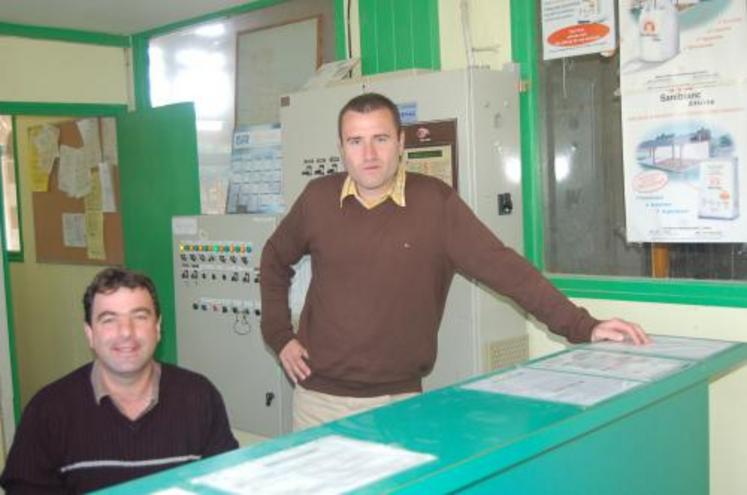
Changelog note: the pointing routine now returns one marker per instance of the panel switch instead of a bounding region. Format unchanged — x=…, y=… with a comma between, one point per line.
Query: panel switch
x=505, y=204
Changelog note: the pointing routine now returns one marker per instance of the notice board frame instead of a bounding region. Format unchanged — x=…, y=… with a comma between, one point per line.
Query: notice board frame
x=50, y=205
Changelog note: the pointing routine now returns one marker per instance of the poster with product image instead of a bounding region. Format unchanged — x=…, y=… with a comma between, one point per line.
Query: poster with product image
x=684, y=116
x=577, y=27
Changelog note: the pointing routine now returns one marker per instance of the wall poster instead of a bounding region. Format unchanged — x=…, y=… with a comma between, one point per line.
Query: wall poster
x=684, y=119
x=577, y=27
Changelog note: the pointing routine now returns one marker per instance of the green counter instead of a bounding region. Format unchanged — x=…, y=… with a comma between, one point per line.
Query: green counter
x=652, y=439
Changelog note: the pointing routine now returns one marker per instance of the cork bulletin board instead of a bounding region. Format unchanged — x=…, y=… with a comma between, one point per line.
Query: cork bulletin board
x=77, y=217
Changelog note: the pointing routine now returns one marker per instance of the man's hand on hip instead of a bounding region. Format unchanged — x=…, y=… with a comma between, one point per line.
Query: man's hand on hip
x=293, y=358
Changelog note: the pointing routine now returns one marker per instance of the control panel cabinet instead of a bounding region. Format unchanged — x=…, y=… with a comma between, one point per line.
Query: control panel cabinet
x=218, y=311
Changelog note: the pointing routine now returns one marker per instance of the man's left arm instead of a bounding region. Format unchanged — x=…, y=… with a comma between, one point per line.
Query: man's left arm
x=479, y=254
x=619, y=330
x=219, y=438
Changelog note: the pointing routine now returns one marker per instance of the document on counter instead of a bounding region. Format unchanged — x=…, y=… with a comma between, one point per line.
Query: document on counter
x=553, y=386
x=329, y=465
x=612, y=364
x=676, y=347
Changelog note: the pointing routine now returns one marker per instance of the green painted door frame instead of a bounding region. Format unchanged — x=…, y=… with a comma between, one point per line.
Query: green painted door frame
x=159, y=179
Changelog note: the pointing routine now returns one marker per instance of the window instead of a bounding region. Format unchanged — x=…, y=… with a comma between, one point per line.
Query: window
x=582, y=175
x=11, y=215
x=201, y=63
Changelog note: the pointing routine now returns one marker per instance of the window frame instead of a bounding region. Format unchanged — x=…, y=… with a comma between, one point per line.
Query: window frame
x=526, y=51
x=15, y=256
x=141, y=41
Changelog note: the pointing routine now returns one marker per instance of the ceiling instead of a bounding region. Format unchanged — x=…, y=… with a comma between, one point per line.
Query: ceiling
x=121, y=17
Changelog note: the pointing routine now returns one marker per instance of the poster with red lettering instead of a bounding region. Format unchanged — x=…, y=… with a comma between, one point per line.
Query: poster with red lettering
x=577, y=27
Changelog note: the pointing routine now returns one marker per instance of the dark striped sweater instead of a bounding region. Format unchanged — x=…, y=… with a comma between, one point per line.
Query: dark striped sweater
x=66, y=443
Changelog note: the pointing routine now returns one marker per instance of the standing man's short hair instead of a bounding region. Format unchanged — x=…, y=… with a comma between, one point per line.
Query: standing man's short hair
x=369, y=102
x=109, y=280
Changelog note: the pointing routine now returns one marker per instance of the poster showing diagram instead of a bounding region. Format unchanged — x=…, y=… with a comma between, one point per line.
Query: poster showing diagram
x=684, y=115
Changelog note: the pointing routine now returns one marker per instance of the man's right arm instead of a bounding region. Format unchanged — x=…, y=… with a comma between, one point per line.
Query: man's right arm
x=31, y=467
x=283, y=249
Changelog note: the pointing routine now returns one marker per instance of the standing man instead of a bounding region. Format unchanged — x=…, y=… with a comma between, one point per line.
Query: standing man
x=384, y=248
x=122, y=416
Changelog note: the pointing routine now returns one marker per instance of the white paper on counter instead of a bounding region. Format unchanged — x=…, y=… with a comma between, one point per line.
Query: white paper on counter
x=553, y=386
x=611, y=364
x=328, y=465
x=676, y=347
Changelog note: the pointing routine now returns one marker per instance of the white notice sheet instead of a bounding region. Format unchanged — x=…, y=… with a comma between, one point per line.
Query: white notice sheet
x=676, y=347
x=553, y=386
x=611, y=364
x=47, y=148
x=328, y=465
x=73, y=230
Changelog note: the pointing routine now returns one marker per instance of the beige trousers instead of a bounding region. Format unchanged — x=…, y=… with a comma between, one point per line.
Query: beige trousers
x=312, y=408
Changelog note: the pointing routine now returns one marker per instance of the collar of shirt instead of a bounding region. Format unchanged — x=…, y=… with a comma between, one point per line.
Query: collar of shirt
x=396, y=192
x=100, y=390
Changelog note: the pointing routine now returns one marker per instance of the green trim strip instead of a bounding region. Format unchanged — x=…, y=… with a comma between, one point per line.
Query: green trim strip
x=17, y=256
x=694, y=292
x=140, y=71
x=340, y=30
x=58, y=34
x=396, y=35
x=525, y=52
x=71, y=109
x=241, y=9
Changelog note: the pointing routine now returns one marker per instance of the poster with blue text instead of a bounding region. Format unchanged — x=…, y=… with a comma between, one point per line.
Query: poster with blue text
x=684, y=116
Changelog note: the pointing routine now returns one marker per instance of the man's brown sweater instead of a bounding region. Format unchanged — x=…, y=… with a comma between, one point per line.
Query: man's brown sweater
x=379, y=283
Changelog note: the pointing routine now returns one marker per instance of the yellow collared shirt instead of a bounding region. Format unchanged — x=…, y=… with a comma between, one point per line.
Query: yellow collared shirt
x=396, y=192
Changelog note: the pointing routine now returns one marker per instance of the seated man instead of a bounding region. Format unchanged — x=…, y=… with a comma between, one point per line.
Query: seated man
x=122, y=416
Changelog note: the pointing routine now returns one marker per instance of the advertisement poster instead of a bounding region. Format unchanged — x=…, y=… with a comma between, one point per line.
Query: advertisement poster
x=577, y=27
x=684, y=119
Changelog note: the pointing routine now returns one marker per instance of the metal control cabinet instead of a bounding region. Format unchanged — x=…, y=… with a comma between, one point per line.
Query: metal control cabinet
x=218, y=310
x=479, y=331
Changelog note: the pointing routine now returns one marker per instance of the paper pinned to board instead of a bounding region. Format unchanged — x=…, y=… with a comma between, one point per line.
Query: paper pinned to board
x=46, y=144
x=74, y=174
x=89, y=132
x=108, y=200
x=73, y=230
x=95, y=249
x=92, y=200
